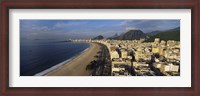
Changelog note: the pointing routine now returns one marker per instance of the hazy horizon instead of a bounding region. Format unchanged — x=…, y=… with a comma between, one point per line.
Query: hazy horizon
x=86, y=29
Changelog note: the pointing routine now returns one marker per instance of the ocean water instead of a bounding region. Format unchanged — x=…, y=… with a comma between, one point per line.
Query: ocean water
x=37, y=55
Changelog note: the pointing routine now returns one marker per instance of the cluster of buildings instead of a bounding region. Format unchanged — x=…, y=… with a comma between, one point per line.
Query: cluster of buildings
x=139, y=58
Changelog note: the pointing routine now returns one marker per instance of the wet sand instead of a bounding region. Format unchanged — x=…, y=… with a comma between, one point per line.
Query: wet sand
x=77, y=67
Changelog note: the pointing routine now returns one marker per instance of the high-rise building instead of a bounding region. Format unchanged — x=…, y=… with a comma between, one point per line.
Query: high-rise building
x=114, y=54
x=124, y=54
x=157, y=40
x=155, y=49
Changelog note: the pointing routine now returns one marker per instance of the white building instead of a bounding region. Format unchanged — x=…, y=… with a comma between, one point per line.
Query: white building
x=157, y=65
x=165, y=68
x=114, y=54
x=124, y=54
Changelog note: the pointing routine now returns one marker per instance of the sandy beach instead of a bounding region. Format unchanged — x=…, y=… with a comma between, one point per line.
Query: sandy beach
x=77, y=67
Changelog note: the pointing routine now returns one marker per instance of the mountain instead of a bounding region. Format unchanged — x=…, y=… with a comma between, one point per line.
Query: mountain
x=153, y=33
x=114, y=36
x=134, y=34
x=172, y=34
x=157, y=31
x=98, y=37
x=175, y=29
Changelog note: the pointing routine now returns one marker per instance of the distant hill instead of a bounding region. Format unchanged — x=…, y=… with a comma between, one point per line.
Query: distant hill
x=100, y=37
x=134, y=34
x=172, y=34
x=114, y=36
x=153, y=33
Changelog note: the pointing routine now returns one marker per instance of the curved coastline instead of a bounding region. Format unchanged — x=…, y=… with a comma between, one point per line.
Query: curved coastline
x=77, y=65
x=45, y=72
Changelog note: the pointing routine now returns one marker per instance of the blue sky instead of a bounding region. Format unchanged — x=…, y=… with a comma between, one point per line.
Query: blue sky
x=84, y=29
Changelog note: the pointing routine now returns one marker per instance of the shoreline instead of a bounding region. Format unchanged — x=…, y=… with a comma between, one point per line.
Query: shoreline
x=77, y=65
x=45, y=72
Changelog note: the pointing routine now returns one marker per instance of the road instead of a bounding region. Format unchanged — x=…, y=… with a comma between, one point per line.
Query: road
x=103, y=65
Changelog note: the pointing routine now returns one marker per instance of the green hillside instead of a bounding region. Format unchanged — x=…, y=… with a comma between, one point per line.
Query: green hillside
x=173, y=34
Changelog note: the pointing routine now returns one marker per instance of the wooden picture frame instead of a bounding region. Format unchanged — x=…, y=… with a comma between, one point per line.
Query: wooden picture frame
x=100, y=4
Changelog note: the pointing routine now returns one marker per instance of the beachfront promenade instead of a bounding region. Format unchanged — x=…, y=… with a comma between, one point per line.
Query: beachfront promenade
x=77, y=67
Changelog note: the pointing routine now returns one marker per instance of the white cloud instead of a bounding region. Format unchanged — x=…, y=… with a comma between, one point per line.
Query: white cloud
x=62, y=25
x=40, y=28
x=131, y=28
